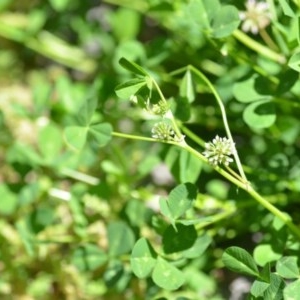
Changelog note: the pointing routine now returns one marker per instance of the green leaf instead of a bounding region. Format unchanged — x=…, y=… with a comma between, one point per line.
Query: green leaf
x=88, y=108
x=143, y=258
x=59, y=5
x=199, y=247
x=292, y=291
x=76, y=136
x=181, y=199
x=287, y=267
x=136, y=212
x=287, y=10
x=275, y=290
x=132, y=67
x=182, y=109
x=186, y=88
x=50, y=142
x=239, y=260
x=125, y=24
x=26, y=237
x=260, y=114
x=120, y=238
x=165, y=210
x=190, y=167
x=258, y=288
x=129, y=88
x=88, y=257
x=9, y=200
x=101, y=133
x=225, y=21
x=294, y=61
x=252, y=89
x=167, y=276
x=264, y=254
x=201, y=12
x=180, y=239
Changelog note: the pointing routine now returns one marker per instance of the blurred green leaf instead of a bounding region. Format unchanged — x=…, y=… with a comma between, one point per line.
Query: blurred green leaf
x=60, y=5
x=180, y=239
x=120, y=238
x=199, y=247
x=260, y=114
x=76, y=136
x=50, y=142
x=186, y=87
x=286, y=8
x=132, y=67
x=225, y=21
x=125, y=24
x=9, y=200
x=258, y=288
x=130, y=88
x=264, y=254
x=167, y=276
x=88, y=257
x=143, y=258
x=287, y=267
x=252, y=89
x=101, y=133
x=294, y=61
x=181, y=199
x=291, y=291
x=275, y=290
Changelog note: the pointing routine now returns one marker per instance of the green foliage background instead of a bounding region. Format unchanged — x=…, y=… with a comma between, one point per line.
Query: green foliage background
x=80, y=210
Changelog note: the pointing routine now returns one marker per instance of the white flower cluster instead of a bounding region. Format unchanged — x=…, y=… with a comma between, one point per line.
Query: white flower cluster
x=163, y=131
x=257, y=16
x=219, y=150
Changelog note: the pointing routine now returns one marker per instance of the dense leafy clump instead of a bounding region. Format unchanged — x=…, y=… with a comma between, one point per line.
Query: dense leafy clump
x=149, y=149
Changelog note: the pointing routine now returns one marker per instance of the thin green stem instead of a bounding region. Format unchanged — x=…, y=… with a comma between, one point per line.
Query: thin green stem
x=268, y=40
x=286, y=219
x=224, y=117
x=192, y=136
x=133, y=137
x=257, y=47
x=216, y=218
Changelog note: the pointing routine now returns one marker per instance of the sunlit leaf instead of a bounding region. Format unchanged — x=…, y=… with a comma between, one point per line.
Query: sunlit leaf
x=287, y=267
x=260, y=114
x=101, y=133
x=143, y=258
x=120, y=238
x=76, y=136
x=130, y=88
x=166, y=276
x=132, y=67
x=240, y=261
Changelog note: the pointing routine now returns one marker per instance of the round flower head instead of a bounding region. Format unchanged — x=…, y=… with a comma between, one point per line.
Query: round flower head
x=163, y=131
x=257, y=16
x=219, y=150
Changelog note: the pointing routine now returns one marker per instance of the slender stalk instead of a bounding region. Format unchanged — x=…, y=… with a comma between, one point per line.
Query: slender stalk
x=133, y=137
x=192, y=136
x=224, y=117
x=286, y=219
x=268, y=40
x=257, y=47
